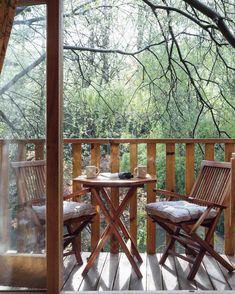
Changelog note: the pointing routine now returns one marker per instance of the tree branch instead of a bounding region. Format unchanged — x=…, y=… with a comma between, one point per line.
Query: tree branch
x=215, y=17
x=21, y=74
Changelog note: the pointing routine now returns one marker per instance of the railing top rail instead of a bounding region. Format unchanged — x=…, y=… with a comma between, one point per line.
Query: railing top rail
x=127, y=140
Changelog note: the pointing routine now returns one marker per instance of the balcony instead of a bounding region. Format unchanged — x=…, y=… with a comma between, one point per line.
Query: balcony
x=165, y=158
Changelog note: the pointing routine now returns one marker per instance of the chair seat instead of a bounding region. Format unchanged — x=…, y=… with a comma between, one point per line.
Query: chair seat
x=71, y=210
x=178, y=211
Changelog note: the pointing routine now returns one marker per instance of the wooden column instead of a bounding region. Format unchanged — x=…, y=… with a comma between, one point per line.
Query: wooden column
x=54, y=146
x=151, y=197
x=95, y=226
x=228, y=213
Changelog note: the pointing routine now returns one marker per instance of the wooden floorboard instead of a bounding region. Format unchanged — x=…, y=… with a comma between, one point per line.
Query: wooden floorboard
x=123, y=276
x=113, y=272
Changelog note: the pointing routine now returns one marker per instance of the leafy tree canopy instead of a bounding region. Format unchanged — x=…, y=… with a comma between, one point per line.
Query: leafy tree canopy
x=133, y=68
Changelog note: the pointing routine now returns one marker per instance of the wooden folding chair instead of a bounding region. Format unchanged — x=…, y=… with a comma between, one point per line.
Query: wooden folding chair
x=31, y=187
x=203, y=207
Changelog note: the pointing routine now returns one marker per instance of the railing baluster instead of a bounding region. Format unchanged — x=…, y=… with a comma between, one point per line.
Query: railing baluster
x=76, y=163
x=170, y=167
x=95, y=160
x=133, y=203
x=189, y=167
x=76, y=171
x=209, y=155
x=209, y=151
x=22, y=230
x=114, y=167
x=21, y=152
x=170, y=170
x=4, y=196
x=228, y=213
x=39, y=150
x=151, y=197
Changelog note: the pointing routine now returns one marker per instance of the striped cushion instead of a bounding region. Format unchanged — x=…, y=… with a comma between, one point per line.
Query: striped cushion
x=71, y=210
x=178, y=211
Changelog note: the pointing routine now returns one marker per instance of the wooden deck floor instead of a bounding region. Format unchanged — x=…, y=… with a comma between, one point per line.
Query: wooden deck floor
x=113, y=272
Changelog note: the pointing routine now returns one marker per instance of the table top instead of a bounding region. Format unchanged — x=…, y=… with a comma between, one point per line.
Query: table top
x=106, y=181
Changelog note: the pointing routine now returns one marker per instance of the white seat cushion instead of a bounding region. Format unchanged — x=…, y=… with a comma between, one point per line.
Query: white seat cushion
x=71, y=210
x=178, y=211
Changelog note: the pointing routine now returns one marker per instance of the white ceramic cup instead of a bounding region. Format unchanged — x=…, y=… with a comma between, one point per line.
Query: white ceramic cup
x=140, y=171
x=92, y=171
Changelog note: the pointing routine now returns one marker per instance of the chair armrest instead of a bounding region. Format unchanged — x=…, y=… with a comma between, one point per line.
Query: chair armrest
x=188, y=198
x=77, y=194
x=206, y=203
x=171, y=194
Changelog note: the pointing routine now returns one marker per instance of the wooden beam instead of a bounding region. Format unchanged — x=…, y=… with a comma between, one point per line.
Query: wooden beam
x=54, y=147
x=30, y=2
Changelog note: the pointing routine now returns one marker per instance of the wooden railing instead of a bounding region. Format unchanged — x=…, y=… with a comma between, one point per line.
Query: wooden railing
x=96, y=149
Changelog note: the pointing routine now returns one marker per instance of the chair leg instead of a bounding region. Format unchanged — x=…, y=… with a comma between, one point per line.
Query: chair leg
x=169, y=246
x=205, y=247
x=77, y=253
x=196, y=264
x=75, y=247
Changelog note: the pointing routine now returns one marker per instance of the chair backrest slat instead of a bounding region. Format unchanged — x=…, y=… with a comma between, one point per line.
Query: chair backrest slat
x=213, y=182
x=31, y=180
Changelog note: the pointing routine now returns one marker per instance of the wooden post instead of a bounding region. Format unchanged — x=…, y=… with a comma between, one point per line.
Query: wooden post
x=22, y=229
x=95, y=226
x=39, y=150
x=209, y=151
x=189, y=167
x=21, y=152
x=133, y=202
x=170, y=167
x=210, y=155
x=76, y=171
x=170, y=171
x=229, y=214
x=76, y=163
x=4, y=196
x=54, y=147
x=114, y=167
x=151, y=197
